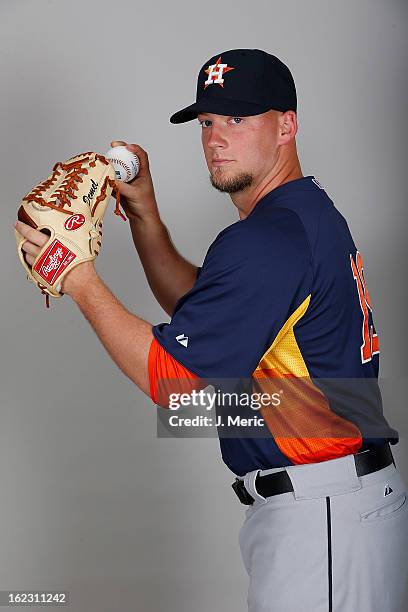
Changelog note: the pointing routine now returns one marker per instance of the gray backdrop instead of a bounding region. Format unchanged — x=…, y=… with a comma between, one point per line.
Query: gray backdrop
x=92, y=501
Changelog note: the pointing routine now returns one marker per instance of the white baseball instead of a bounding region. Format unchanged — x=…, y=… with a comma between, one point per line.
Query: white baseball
x=125, y=163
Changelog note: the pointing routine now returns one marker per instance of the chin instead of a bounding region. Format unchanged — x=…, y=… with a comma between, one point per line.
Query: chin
x=231, y=184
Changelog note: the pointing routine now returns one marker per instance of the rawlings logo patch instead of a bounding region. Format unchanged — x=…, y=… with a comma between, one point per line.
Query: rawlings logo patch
x=73, y=222
x=54, y=261
x=88, y=198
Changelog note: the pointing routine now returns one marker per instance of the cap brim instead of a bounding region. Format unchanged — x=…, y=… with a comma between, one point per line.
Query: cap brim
x=218, y=106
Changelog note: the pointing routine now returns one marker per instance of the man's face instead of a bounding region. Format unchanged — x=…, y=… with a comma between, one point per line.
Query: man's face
x=249, y=144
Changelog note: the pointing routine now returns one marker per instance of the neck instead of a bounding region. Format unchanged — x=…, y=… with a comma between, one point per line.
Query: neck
x=284, y=171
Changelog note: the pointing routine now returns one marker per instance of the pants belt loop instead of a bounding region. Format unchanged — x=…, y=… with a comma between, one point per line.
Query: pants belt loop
x=249, y=483
x=327, y=478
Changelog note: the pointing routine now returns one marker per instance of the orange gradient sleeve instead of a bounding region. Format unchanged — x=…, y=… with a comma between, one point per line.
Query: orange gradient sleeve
x=167, y=376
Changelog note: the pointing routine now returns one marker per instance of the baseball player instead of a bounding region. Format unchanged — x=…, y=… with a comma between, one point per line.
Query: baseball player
x=281, y=301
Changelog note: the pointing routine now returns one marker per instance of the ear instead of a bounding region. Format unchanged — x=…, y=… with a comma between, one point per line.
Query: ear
x=287, y=126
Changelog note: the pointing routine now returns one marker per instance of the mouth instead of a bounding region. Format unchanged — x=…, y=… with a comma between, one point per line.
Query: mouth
x=220, y=162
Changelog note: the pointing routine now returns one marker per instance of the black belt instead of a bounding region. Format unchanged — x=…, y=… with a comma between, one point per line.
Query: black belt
x=366, y=462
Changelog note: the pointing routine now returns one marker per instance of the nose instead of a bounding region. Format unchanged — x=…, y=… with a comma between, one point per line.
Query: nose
x=216, y=137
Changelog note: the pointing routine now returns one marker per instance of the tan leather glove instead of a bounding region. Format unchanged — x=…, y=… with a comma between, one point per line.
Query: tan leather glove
x=69, y=207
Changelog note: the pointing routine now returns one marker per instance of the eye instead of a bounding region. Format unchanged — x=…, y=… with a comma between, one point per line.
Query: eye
x=239, y=120
x=203, y=122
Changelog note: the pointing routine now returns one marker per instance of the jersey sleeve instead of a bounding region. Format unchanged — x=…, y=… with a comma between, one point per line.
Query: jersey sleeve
x=253, y=276
x=167, y=376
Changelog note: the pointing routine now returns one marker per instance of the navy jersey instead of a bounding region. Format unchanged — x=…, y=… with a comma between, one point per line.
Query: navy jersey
x=281, y=300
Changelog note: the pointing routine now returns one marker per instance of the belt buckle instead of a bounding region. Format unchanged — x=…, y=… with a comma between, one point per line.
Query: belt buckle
x=242, y=493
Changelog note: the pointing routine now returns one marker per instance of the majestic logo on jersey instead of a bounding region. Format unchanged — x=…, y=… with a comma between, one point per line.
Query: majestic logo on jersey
x=370, y=345
x=387, y=490
x=216, y=72
x=182, y=339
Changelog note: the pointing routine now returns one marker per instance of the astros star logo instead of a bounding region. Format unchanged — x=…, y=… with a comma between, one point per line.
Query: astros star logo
x=215, y=73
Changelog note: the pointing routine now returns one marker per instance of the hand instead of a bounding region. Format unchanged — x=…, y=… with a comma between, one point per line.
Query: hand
x=137, y=197
x=35, y=240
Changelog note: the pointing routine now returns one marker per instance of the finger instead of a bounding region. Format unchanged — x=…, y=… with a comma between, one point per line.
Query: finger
x=118, y=143
x=30, y=248
x=30, y=260
x=141, y=153
x=31, y=234
x=123, y=188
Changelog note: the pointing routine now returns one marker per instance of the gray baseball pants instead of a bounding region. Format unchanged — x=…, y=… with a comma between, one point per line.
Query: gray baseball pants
x=337, y=543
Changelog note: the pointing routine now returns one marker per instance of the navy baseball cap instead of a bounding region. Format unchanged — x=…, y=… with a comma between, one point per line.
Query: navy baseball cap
x=241, y=82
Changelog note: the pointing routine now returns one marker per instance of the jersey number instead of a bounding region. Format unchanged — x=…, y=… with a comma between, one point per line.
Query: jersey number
x=370, y=345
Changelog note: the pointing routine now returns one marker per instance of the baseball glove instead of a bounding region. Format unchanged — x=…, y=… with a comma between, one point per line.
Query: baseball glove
x=69, y=207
